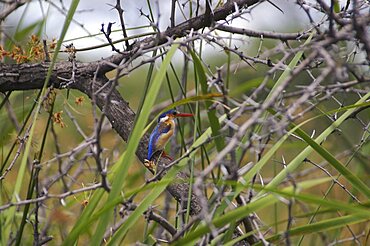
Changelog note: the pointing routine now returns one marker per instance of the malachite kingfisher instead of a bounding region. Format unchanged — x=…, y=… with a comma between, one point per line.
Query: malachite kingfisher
x=163, y=131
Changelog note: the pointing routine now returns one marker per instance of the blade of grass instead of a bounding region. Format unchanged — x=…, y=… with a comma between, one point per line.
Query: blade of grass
x=325, y=225
x=142, y=207
x=362, y=209
x=82, y=222
x=296, y=162
x=213, y=120
x=241, y=212
x=33, y=180
x=353, y=179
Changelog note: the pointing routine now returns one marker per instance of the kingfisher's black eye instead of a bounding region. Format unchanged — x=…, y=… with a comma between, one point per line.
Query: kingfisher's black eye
x=174, y=113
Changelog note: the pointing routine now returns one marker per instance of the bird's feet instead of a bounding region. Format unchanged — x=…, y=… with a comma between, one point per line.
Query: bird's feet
x=150, y=165
x=164, y=154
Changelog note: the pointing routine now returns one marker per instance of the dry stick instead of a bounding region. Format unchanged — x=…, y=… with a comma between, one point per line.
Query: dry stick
x=47, y=196
x=160, y=220
x=150, y=215
x=335, y=180
x=360, y=29
x=59, y=160
x=327, y=88
x=290, y=207
x=22, y=141
x=9, y=8
x=76, y=124
x=306, y=8
x=173, y=12
x=264, y=34
x=68, y=166
x=120, y=13
x=353, y=238
x=208, y=20
x=71, y=154
x=97, y=150
x=46, y=50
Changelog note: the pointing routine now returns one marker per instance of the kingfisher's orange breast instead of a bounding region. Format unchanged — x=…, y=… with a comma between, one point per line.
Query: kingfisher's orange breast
x=165, y=137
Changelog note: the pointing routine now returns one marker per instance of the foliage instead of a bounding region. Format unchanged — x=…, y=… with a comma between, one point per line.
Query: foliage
x=278, y=149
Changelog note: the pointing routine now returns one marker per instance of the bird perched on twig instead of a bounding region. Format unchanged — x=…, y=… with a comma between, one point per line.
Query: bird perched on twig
x=162, y=134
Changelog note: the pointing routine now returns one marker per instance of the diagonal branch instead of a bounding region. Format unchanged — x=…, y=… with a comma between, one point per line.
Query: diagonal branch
x=9, y=8
x=264, y=34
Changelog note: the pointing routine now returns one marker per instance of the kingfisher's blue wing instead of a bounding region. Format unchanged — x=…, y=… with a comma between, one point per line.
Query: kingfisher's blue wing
x=160, y=129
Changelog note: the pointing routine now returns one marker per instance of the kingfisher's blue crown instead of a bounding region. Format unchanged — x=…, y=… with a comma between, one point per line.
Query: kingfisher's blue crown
x=171, y=111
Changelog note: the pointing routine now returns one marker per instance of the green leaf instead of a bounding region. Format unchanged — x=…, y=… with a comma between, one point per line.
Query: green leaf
x=213, y=120
x=336, y=6
x=84, y=219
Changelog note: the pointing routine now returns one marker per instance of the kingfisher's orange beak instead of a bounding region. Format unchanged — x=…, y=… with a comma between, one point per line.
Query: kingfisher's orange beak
x=183, y=115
